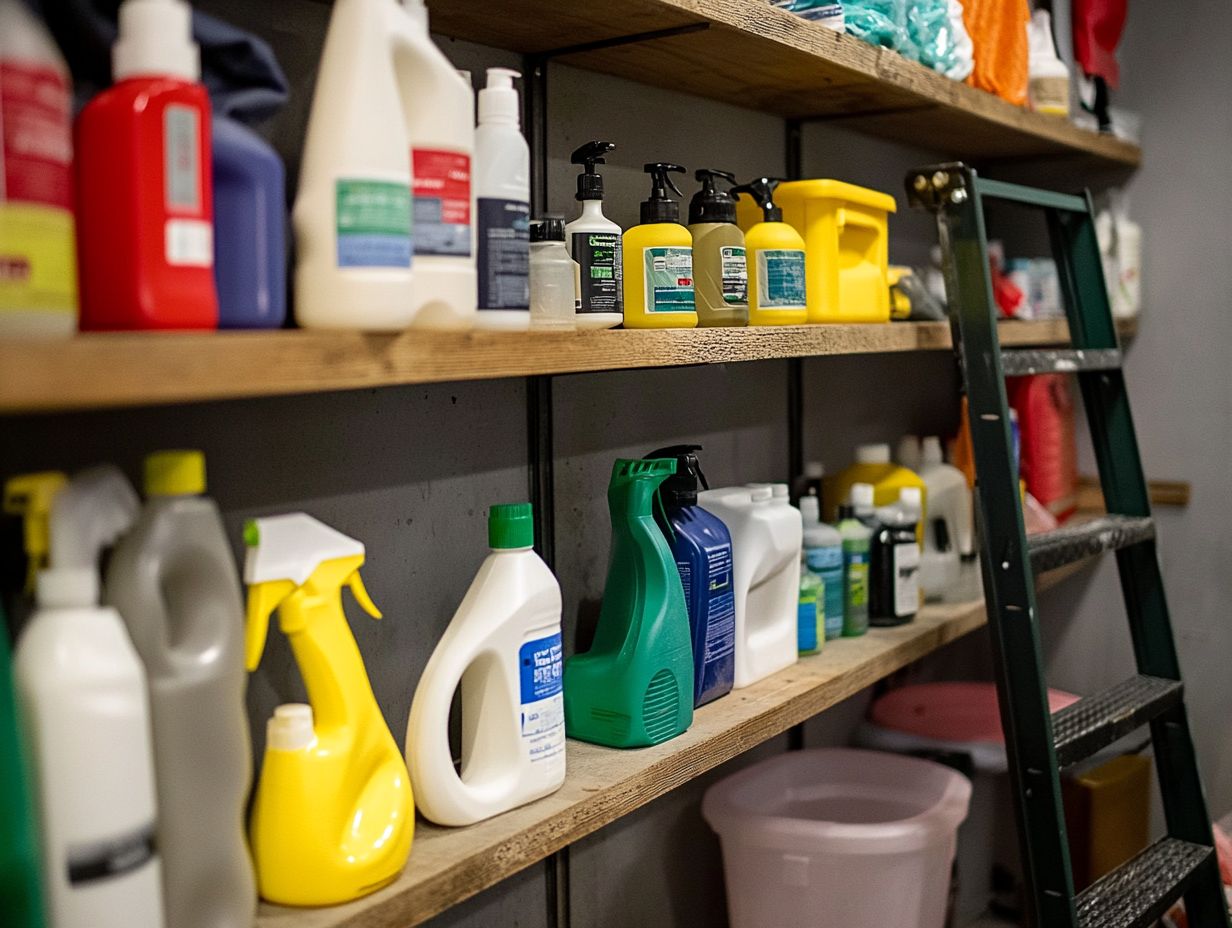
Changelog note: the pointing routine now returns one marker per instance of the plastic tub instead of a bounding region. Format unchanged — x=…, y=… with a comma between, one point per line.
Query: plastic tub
x=837, y=836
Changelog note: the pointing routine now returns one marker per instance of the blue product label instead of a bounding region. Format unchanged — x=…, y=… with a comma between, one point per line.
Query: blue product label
x=504, y=254
x=827, y=563
x=721, y=604
x=780, y=278
x=806, y=621
x=541, y=668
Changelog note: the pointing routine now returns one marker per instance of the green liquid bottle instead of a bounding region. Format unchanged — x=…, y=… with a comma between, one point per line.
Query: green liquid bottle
x=857, y=540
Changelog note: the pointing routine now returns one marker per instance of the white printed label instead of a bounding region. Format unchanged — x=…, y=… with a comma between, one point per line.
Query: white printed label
x=189, y=243
x=906, y=579
x=541, y=670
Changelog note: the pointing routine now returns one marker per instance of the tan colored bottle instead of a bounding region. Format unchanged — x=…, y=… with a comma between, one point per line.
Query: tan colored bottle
x=720, y=273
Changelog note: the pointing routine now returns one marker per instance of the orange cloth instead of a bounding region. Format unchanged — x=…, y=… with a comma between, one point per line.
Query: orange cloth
x=998, y=29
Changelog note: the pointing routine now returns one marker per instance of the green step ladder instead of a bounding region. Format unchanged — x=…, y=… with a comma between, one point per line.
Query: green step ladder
x=1041, y=743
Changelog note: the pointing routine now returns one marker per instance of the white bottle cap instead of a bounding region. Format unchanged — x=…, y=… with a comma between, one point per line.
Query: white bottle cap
x=873, y=454
x=418, y=13
x=290, y=728
x=498, y=101
x=909, y=452
x=810, y=509
x=862, y=495
x=780, y=490
x=68, y=588
x=930, y=451
x=761, y=494
x=911, y=498
x=814, y=470
x=155, y=40
x=758, y=486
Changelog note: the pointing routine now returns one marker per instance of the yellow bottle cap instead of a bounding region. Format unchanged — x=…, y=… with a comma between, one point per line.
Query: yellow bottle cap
x=175, y=473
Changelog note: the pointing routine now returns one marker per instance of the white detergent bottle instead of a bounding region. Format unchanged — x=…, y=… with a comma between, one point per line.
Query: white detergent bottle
x=439, y=109
x=83, y=695
x=504, y=648
x=767, y=537
x=948, y=535
x=594, y=243
x=502, y=201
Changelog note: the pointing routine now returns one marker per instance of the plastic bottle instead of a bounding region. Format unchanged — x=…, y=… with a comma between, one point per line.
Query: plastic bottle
x=766, y=548
x=1048, y=76
x=776, y=261
x=948, y=536
x=38, y=261
x=823, y=553
x=551, y=276
x=894, y=563
x=810, y=482
x=857, y=541
x=1045, y=406
x=873, y=466
x=634, y=687
x=909, y=453
x=173, y=579
x=503, y=647
x=502, y=198
x=810, y=617
x=594, y=243
x=702, y=547
x=145, y=215
x=332, y=816
x=721, y=286
x=84, y=701
x=658, y=260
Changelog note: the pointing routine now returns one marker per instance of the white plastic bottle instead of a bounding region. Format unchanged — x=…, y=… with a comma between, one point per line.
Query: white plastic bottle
x=948, y=529
x=1048, y=77
x=502, y=203
x=594, y=242
x=551, y=277
x=504, y=648
x=83, y=695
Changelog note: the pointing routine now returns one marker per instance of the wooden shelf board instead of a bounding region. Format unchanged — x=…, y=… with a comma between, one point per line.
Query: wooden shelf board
x=762, y=58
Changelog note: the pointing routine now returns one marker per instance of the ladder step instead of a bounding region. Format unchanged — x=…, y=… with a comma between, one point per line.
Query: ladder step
x=1094, y=722
x=1140, y=891
x=1058, y=360
x=1050, y=550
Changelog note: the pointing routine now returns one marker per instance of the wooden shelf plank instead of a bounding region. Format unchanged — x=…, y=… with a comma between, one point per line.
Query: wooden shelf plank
x=752, y=55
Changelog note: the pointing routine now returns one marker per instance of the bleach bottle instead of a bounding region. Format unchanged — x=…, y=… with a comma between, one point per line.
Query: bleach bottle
x=702, y=547
x=503, y=648
x=948, y=531
x=823, y=554
x=634, y=687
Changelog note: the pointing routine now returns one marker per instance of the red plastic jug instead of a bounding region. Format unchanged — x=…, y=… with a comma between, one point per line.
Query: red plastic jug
x=1045, y=405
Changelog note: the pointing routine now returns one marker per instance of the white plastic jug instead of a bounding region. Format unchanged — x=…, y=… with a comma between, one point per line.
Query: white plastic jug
x=767, y=538
x=504, y=648
x=948, y=527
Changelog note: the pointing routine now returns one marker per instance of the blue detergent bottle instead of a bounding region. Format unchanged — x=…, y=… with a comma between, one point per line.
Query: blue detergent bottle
x=702, y=548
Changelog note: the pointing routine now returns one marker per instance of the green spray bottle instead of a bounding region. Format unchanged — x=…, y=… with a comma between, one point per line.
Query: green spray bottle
x=634, y=687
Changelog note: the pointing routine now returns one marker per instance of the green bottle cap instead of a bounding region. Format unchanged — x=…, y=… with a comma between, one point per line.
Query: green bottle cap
x=511, y=525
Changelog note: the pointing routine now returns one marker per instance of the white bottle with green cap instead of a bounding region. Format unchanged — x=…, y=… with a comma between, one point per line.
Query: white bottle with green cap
x=503, y=647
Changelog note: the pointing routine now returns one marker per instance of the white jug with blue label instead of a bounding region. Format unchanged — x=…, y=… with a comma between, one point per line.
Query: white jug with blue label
x=503, y=647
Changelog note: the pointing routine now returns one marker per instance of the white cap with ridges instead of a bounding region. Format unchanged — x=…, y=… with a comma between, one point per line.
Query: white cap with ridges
x=498, y=101
x=873, y=454
x=155, y=40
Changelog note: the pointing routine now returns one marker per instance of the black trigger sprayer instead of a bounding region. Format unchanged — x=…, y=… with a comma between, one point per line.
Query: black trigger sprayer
x=590, y=182
x=761, y=190
x=660, y=207
x=710, y=204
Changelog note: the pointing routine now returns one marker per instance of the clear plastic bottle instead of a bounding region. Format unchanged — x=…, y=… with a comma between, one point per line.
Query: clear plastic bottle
x=551, y=276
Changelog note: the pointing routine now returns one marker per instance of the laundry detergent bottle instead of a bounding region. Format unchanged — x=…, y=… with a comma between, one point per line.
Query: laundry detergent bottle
x=173, y=579
x=594, y=243
x=504, y=648
x=702, y=546
x=823, y=554
x=775, y=254
x=145, y=213
x=721, y=277
x=332, y=817
x=658, y=260
x=634, y=687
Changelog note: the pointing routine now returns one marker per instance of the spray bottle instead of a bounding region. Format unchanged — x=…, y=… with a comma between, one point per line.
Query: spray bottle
x=594, y=243
x=658, y=259
x=634, y=687
x=84, y=700
x=332, y=818
x=776, y=261
x=722, y=277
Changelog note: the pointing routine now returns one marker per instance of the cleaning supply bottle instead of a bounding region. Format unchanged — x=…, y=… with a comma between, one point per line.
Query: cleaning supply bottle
x=658, y=260
x=948, y=530
x=857, y=541
x=173, y=579
x=1049, y=468
x=551, y=276
x=19, y=852
x=83, y=697
x=873, y=466
x=702, y=546
x=502, y=205
x=776, y=261
x=767, y=537
x=634, y=687
x=894, y=562
x=38, y=261
x=810, y=617
x=503, y=647
x=594, y=243
x=145, y=205
x=332, y=817
x=30, y=496
x=1047, y=75
x=721, y=286
x=823, y=553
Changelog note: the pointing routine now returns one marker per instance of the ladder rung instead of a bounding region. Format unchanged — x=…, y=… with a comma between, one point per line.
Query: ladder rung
x=1059, y=360
x=1050, y=550
x=1139, y=892
x=1094, y=722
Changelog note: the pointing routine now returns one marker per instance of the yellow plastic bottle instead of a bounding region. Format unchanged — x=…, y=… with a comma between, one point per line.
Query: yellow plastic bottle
x=333, y=818
x=776, y=259
x=658, y=260
x=873, y=466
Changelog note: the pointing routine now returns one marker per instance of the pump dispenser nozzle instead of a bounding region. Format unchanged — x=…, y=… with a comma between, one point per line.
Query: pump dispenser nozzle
x=761, y=190
x=498, y=101
x=590, y=183
x=660, y=208
x=710, y=204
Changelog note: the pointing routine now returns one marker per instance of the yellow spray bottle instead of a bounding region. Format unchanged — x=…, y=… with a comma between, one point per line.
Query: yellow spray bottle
x=658, y=260
x=332, y=818
x=30, y=495
x=775, y=254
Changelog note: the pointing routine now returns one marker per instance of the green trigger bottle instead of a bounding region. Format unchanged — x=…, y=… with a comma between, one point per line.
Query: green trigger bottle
x=634, y=687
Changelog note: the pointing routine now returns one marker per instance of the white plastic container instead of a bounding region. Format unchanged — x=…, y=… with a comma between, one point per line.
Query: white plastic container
x=504, y=648
x=607, y=244
x=837, y=837
x=552, y=277
x=1048, y=77
x=948, y=530
x=767, y=540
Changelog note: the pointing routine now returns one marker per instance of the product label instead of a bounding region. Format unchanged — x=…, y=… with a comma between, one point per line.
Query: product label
x=442, y=202
x=504, y=253
x=827, y=563
x=600, y=272
x=541, y=667
x=855, y=589
x=189, y=242
x=721, y=604
x=807, y=620
x=373, y=222
x=735, y=271
x=906, y=579
x=100, y=860
x=182, y=158
x=36, y=145
x=669, y=279
x=780, y=278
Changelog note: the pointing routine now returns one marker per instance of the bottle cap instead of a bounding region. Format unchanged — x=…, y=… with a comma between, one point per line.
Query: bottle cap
x=780, y=490
x=155, y=40
x=810, y=509
x=710, y=204
x=589, y=182
x=862, y=496
x=912, y=498
x=680, y=489
x=814, y=470
x=761, y=494
x=761, y=191
x=498, y=101
x=659, y=207
x=68, y=587
x=175, y=473
x=873, y=454
x=909, y=452
x=548, y=229
x=511, y=525
x=930, y=451
x=290, y=728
